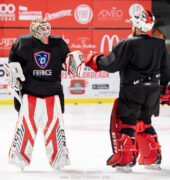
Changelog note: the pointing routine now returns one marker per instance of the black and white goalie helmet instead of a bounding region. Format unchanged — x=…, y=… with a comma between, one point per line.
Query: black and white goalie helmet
x=40, y=29
x=143, y=20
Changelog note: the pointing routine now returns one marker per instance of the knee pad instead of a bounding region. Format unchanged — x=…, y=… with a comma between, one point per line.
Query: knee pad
x=148, y=146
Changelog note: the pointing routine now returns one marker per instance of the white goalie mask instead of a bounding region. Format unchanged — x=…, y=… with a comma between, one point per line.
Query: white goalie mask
x=143, y=20
x=40, y=29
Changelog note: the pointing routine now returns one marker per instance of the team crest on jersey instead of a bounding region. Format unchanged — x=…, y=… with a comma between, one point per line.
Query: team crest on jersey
x=42, y=59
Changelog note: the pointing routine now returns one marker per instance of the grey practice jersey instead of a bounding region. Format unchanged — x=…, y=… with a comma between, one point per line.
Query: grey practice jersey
x=140, y=57
x=41, y=64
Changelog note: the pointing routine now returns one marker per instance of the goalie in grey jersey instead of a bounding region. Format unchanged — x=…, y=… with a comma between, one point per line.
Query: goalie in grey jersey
x=35, y=64
x=143, y=66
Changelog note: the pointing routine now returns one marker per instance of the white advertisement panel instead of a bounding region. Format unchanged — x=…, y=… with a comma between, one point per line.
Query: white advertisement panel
x=90, y=85
x=3, y=81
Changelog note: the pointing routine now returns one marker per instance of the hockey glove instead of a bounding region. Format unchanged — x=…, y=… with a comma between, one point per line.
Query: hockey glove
x=74, y=63
x=16, y=77
x=91, y=60
x=15, y=74
x=165, y=95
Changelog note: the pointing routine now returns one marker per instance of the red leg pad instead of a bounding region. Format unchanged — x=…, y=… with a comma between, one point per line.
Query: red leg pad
x=149, y=148
x=125, y=153
x=124, y=146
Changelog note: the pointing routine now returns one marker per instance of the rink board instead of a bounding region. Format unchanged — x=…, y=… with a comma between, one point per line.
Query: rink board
x=70, y=101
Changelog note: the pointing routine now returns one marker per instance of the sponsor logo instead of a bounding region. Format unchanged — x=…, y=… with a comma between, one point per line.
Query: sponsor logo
x=77, y=86
x=3, y=75
x=83, y=43
x=83, y=14
x=109, y=15
x=42, y=59
x=24, y=14
x=135, y=8
x=110, y=42
x=18, y=136
x=7, y=12
x=2, y=71
x=56, y=15
x=100, y=86
x=114, y=140
x=6, y=43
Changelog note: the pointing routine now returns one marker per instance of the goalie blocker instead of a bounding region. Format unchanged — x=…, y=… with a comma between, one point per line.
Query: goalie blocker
x=46, y=113
x=91, y=60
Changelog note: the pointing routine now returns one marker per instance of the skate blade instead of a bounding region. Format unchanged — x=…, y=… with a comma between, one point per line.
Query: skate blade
x=124, y=169
x=153, y=166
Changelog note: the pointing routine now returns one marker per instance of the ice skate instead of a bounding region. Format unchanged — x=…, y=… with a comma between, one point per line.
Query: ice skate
x=155, y=166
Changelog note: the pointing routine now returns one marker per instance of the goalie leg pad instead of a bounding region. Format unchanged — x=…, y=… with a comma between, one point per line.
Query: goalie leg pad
x=124, y=146
x=149, y=149
x=126, y=152
x=25, y=133
x=53, y=128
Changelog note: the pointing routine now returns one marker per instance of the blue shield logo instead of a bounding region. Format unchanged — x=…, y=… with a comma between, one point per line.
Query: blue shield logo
x=42, y=59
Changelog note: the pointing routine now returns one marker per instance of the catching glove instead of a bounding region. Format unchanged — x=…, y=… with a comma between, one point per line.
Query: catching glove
x=74, y=63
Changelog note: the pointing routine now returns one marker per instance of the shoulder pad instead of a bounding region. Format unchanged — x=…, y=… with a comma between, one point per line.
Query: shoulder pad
x=54, y=37
x=55, y=40
x=25, y=36
x=25, y=41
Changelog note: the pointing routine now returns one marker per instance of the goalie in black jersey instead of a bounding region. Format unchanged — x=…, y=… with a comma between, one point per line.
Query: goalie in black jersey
x=143, y=65
x=35, y=64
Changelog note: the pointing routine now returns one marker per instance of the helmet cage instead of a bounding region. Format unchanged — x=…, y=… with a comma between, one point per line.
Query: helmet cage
x=40, y=29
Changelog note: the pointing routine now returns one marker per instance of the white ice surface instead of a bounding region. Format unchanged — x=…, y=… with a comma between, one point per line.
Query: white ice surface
x=88, y=140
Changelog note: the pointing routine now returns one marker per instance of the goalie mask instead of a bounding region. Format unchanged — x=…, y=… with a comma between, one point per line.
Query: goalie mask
x=143, y=20
x=40, y=29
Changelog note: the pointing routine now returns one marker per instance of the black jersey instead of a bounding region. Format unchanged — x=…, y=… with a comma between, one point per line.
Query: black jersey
x=41, y=64
x=137, y=58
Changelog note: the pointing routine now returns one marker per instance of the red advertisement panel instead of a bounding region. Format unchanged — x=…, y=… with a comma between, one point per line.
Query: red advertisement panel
x=7, y=38
x=14, y=13
x=106, y=39
x=66, y=13
x=116, y=13
x=77, y=39
x=95, y=40
x=70, y=13
x=84, y=40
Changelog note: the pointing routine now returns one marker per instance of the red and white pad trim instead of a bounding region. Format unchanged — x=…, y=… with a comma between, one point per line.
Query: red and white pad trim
x=47, y=113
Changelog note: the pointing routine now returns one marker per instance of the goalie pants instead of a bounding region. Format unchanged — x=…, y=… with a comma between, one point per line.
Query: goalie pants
x=46, y=113
x=138, y=102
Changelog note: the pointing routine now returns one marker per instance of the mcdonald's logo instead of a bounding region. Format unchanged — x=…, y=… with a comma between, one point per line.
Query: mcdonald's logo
x=110, y=41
